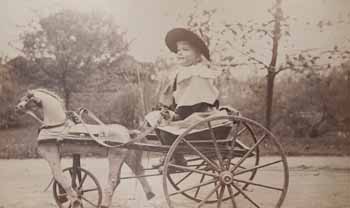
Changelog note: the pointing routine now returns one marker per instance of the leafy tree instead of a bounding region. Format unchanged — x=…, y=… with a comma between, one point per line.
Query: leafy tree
x=67, y=46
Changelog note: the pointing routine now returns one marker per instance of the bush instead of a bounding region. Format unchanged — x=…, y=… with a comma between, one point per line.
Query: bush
x=8, y=94
x=126, y=108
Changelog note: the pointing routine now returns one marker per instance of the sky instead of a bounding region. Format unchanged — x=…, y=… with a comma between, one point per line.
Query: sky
x=147, y=22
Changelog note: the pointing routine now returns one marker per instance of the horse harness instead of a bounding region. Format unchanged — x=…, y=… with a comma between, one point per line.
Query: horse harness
x=51, y=126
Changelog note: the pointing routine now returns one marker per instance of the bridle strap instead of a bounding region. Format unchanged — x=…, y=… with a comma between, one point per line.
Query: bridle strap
x=51, y=126
x=34, y=116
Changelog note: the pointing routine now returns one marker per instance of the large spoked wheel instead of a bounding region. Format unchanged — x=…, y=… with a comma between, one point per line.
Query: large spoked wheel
x=239, y=165
x=245, y=135
x=84, y=183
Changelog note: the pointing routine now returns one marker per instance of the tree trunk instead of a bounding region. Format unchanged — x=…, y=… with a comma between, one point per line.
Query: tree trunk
x=272, y=67
x=269, y=98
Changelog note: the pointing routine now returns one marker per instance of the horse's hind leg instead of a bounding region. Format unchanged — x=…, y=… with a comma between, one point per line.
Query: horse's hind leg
x=116, y=158
x=134, y=162
x=51, y=154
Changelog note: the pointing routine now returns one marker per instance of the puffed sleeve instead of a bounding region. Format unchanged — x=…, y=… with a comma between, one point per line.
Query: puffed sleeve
x=167, y=88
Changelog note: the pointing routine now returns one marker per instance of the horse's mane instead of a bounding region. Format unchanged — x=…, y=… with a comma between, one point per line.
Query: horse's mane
x=51, y=93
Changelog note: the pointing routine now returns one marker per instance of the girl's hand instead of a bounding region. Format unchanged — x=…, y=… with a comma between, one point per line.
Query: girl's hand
x=166, y=114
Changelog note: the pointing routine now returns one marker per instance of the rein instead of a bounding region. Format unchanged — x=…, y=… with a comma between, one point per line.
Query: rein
x=103, y=143
x=34, y=116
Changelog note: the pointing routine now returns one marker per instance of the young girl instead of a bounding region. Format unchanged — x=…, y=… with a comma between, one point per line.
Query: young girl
x=192, y=88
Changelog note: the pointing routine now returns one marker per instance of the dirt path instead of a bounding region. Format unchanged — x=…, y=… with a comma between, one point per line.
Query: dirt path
x=315, y=182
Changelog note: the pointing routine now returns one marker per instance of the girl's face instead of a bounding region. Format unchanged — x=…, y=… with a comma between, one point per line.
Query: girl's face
x=187, y=55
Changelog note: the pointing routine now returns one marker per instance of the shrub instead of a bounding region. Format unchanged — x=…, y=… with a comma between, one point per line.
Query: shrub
x=126, y=108
x=8, y=94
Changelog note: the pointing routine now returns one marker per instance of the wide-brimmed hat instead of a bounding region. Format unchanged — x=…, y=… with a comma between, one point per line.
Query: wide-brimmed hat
x=182, y=34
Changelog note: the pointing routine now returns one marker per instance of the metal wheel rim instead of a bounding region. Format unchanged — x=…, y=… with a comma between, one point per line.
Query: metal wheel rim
x=268, y=133
x=89, y=174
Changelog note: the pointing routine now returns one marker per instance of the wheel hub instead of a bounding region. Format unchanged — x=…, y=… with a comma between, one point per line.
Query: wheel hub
x=226, y=177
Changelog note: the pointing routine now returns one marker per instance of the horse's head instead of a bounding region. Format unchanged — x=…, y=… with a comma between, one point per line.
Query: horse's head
x=50, y=103
x=28, y=102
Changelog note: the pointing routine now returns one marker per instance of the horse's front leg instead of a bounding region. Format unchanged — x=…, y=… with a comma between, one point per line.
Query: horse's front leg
x=116, y=158
x=134, y=161
x=51, y=154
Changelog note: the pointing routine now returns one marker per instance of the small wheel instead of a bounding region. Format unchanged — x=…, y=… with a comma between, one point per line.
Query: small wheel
x=84, y=183
x=241, y=165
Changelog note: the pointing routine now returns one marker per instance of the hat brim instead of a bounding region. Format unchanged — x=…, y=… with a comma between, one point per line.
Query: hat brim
x=181, y=34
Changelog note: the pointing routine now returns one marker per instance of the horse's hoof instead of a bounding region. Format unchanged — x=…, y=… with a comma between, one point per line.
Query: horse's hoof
x=150, y=195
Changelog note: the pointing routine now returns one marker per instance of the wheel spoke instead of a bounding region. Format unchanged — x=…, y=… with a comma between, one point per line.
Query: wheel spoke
x=188, y=174
x=242, y=145
x=197, y=191
x=208, y=196
x=194, y=159
x=193, y=170
x=240, y=166
x=200, y=154
x=197, y=166
x=246, y=155
x=257, y=184
x=89, y=190
x=82, y=180
x=232, y=196
x=182, y=179
x=217, y=193
x=88, y=201
x=220, y=196
x=241, y=131
x=64, y=194
x=245, y=195
x=60, y=189
x=218, y=153
x=256, y=167
x=73, y=175
x=193, y=187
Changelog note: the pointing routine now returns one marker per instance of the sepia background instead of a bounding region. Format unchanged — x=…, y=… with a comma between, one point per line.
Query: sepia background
x=283, y=63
